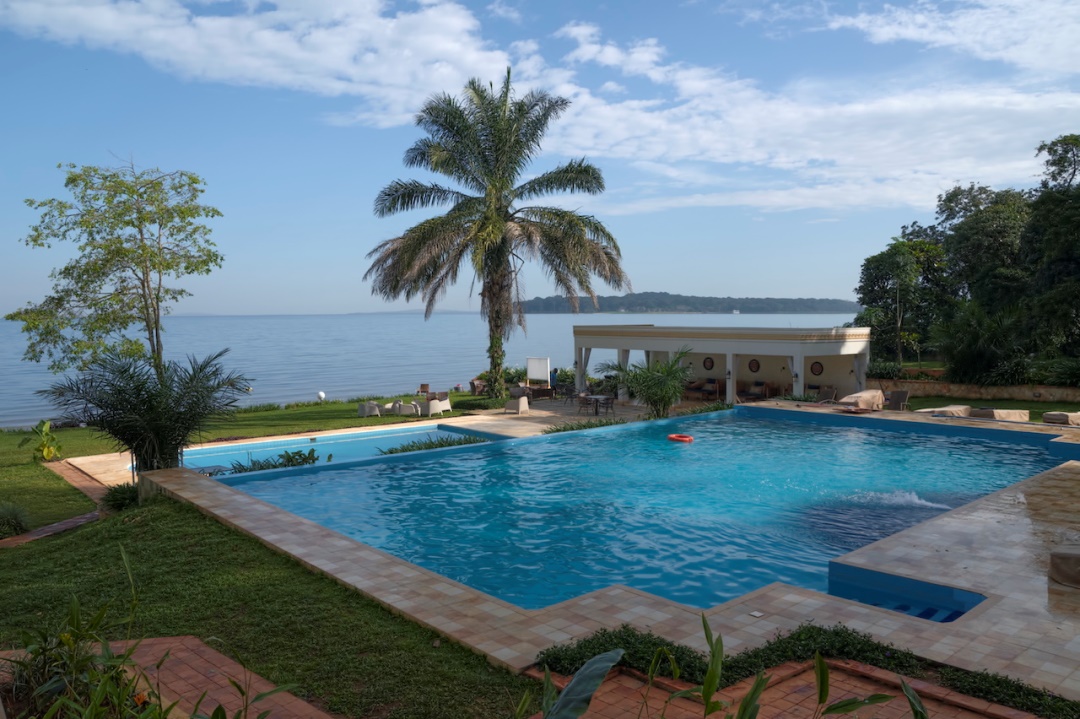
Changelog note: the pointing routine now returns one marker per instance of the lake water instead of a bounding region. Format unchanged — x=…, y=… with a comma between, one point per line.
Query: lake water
x=293, y=357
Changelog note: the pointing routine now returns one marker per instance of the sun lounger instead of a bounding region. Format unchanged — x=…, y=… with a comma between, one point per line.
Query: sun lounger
x=1011, y=415
x=1066, y=418
x=867, y=399
x=430, y=407
x=952, y=410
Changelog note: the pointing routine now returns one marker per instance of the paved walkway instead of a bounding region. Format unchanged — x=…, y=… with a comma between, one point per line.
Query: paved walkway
x=999, y=546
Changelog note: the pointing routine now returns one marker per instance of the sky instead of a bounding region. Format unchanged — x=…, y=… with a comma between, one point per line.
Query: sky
x=749, y=148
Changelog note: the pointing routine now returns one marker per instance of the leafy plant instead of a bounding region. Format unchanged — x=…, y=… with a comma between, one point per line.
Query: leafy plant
x=881, y=369
x=14, y=520
x=472, y=404
x=659, y=385
x=433, y=443
x=583, y=424
x=844, y=706
x=574, y=700
x=294, y=458
x=1063, y=372
x=48, y=446
x=121, y=496
x=152, y=413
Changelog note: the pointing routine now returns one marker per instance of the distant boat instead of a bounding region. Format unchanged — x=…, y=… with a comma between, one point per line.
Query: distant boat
x=734, y=312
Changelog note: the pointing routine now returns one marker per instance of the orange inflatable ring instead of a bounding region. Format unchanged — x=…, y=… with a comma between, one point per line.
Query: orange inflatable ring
x=680, y=438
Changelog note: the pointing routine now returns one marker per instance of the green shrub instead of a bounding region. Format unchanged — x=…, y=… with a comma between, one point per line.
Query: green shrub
x=295, y=458
x=566, y=376
x=1009, y=692
x=264, y=407
x=800, y=645
x=881, y=369
x=14, y=520
x=433, y=443
x=472, y=404
x=121, y=496
x=584, y=424
x=1063, y=372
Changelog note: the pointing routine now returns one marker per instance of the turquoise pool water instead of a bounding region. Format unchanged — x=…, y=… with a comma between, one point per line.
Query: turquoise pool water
x=343, y=447
x=749, y=502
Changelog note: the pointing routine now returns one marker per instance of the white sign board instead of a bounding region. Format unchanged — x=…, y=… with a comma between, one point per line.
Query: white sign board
x=538, y=368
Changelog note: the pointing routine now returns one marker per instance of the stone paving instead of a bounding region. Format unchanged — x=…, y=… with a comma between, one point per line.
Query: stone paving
x=999, y=545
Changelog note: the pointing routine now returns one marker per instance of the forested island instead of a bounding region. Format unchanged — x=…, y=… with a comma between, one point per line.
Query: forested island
x=643, y=302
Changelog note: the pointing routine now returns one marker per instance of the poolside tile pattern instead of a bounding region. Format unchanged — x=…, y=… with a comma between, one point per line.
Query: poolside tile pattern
x=1029, y=628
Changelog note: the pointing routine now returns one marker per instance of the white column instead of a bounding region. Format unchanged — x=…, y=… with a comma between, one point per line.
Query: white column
x=624, y=361
x=730, y=386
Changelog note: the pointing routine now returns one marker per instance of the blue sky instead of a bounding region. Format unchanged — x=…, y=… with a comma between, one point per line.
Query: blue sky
x=749, y=149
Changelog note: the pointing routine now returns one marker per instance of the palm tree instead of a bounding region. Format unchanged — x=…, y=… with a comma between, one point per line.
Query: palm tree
x=152, y=412
x=484, y=142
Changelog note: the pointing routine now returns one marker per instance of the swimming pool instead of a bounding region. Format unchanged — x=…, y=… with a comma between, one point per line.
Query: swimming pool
x=751, y=501
x=342, y=447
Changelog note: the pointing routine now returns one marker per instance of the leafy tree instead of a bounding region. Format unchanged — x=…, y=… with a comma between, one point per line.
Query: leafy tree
x=983, y=249
x=980, y=348
x=134, y=230
x=485, y=142
x=889, y=282
x=659, y=385
x=151, y=412
x=1062, y=162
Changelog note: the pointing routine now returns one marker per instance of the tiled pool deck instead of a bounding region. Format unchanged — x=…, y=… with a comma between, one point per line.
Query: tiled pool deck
x=999, y=546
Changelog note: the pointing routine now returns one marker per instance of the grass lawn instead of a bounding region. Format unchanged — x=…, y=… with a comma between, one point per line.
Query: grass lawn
x=43, y=494
x=196, y=576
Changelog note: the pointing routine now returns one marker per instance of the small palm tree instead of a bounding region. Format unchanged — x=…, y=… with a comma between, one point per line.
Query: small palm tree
x=153, y=416
x=659, y=385
x=484, y=142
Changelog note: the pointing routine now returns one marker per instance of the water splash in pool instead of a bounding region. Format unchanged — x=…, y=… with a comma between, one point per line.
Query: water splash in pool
x=898, y=498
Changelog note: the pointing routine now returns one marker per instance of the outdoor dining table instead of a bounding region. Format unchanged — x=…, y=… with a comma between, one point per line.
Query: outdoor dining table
x=596, y=402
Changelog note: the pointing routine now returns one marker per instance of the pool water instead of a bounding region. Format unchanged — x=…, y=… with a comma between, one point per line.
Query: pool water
x=341, y=447
x=751, y=501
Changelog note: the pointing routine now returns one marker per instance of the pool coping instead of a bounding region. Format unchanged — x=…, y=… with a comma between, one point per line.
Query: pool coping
x=1028, y=627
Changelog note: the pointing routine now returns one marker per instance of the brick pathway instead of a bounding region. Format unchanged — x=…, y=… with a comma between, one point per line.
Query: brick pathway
x=792, y=693
x=49, y=529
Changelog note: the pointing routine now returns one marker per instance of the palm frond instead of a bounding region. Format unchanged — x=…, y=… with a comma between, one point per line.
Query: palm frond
x=574, y=176
x=405, y=195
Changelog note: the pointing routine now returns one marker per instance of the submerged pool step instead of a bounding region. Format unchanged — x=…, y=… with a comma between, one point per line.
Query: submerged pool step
x=916, y=598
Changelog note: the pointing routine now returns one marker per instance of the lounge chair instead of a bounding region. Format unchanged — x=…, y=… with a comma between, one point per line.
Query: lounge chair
x=826, y=395
x=757, y=391
x=477, y=387
x=412, y=409
x=898, y=400
x=431, y=406
x=424, y=389
x=1065, y=418
x=520, y=405
x=369, y=409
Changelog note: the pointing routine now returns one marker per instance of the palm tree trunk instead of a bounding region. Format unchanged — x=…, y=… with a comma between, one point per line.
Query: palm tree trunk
x=498, y=301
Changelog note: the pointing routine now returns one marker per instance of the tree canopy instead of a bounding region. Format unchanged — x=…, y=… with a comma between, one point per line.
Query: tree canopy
x=484, y=142
x=135, y=231
x=996, y=281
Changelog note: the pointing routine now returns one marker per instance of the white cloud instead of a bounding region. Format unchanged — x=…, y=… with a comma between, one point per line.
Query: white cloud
x=884, y=147
x=715, y=138
x=329, y=47
x=1039, y=35
x=504, y=10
